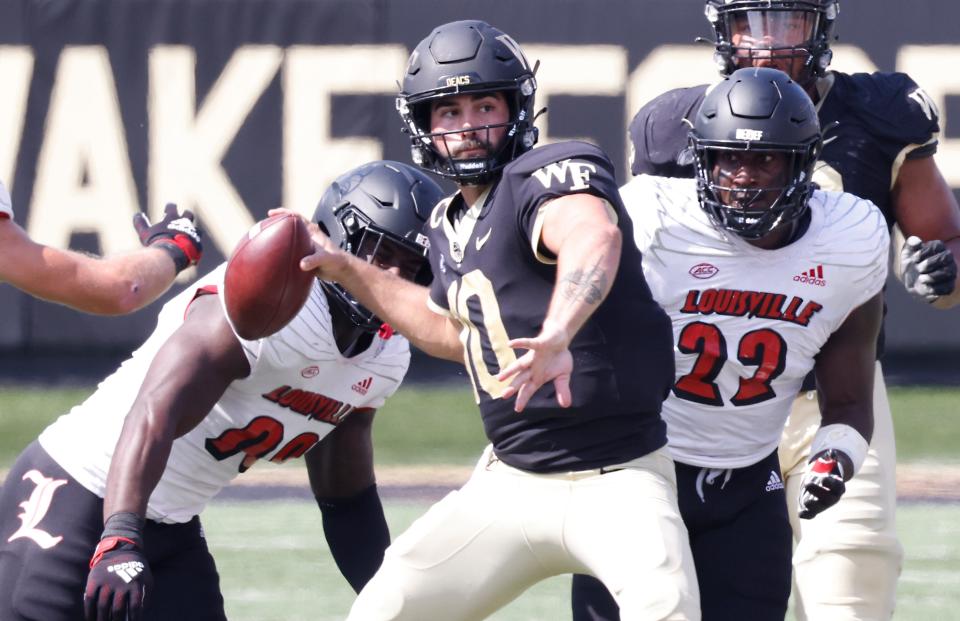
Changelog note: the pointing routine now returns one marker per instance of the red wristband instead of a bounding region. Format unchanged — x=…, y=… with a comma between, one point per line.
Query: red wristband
x=106, y=544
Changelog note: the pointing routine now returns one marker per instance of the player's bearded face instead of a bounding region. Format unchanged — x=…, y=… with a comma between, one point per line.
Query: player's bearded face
x=749, y=180
x=776, y=39
x=461, y=125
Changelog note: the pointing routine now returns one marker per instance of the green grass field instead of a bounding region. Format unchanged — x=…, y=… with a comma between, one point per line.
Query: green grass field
x=441, y=425
x=275, y=564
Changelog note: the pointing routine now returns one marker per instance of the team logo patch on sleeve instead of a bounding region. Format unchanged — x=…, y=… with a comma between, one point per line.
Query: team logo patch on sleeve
x=576, y=173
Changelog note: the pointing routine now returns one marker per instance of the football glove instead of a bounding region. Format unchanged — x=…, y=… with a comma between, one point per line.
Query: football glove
x=119, y=576
x=176, y=233
x=822, y=485
x=929, y=268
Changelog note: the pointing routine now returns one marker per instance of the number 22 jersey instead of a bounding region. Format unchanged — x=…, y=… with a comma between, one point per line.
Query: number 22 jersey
x=748, y=322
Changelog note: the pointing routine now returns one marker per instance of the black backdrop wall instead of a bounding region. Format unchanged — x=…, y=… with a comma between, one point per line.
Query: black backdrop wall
x=230, y=107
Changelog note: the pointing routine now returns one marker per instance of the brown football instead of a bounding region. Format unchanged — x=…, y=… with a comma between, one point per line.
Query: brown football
x=264, y=287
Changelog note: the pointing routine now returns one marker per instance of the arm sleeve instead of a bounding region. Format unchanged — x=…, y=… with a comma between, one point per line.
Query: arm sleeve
x=356, y=531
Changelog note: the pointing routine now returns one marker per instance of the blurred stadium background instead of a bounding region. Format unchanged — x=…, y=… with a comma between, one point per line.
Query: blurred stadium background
x=231, y=107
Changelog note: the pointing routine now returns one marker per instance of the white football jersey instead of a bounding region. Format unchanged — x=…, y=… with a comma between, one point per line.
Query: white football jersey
x=6, y=204
x=299, y=388
x=748, y=322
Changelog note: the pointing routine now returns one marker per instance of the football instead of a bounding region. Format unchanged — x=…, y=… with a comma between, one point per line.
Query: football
x=264, y=287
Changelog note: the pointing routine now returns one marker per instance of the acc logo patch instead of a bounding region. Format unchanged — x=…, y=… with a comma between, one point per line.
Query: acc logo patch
x=704, y=271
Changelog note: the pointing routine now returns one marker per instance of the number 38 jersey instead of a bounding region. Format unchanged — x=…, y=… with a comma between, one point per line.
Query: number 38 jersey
x=493, y=278
x=748, y=322
x=299, y=388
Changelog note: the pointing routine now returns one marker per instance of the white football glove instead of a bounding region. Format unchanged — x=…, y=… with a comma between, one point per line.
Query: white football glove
x=929, y=268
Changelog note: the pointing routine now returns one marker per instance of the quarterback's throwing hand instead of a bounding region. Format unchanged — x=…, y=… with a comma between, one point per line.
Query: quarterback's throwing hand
x=929, y=268
x=547, y=359
x=822, y=485
x=175, y=233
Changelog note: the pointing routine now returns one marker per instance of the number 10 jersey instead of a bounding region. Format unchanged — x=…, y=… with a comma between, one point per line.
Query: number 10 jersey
x=492, y=276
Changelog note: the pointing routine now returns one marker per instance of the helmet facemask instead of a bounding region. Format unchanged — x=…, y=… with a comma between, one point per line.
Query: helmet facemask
x=793, y=36
x=753, y=211
x=363, y=238
x=519, y=135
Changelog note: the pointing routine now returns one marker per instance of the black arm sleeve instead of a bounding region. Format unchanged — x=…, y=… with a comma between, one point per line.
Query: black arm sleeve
x=357, y=533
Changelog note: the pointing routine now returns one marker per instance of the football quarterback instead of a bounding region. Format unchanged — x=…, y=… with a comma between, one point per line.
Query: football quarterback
x=532, y=288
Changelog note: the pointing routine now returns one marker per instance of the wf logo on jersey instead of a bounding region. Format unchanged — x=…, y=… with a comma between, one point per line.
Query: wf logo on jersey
x=813, y=276
x=578, y=174
x=310, y=404
x=35, y=509
x=760, y=304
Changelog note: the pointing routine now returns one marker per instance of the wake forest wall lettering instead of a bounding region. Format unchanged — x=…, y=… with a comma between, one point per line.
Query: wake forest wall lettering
x=229, y=122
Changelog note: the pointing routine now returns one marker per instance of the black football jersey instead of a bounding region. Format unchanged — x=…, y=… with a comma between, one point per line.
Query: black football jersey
x=871, y=121
x=498, y=285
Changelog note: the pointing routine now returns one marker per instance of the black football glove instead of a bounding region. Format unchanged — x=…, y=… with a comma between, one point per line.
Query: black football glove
x=929, y=268
x=119, y=576
x=176, y=233
x=822, y=484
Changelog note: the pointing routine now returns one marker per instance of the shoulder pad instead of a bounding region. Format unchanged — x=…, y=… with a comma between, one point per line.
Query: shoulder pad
x=890, y=105
x=856, y=225
x=658, y=132
x=548, y=154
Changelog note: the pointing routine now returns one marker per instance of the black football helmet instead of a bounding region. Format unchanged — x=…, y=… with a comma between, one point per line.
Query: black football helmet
x=756, y=110
x=467, y=57
x=377, y=211
x=767, y=22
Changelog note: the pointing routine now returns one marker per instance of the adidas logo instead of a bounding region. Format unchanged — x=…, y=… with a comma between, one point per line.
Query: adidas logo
x=127, y=571
x=362, y=386
x=775, y=482
x=813, y=276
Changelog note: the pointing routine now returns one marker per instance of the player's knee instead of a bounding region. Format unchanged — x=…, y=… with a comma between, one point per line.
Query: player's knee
x=384, y=599
x=849, y=584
